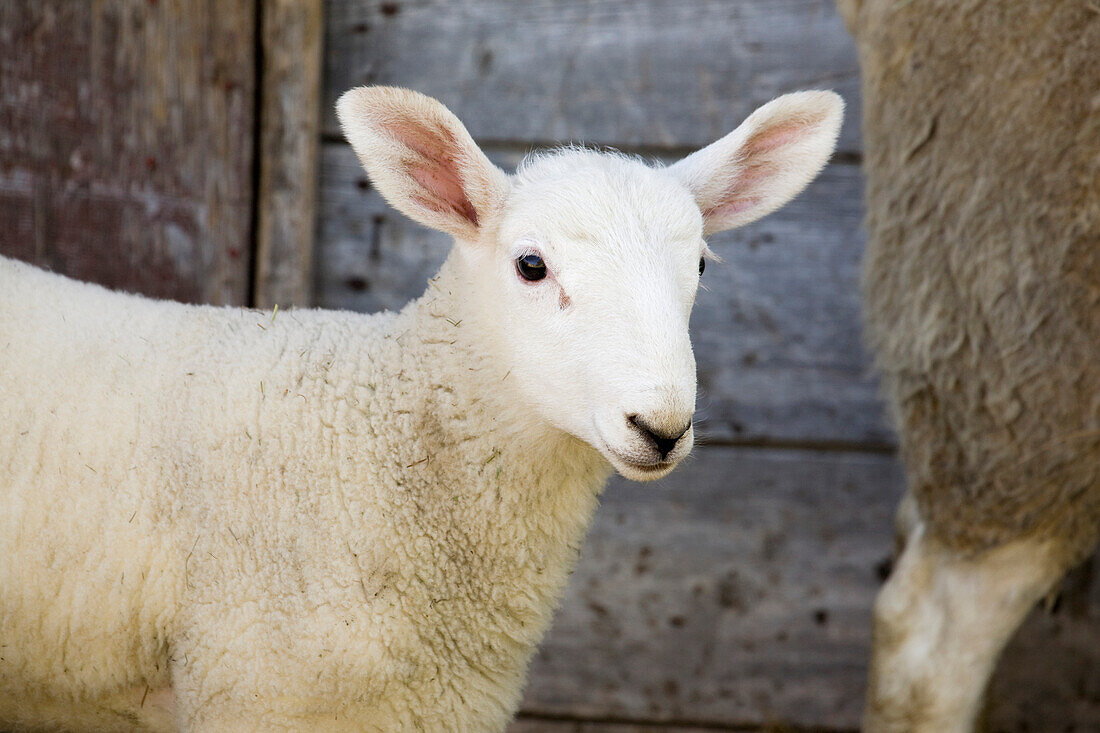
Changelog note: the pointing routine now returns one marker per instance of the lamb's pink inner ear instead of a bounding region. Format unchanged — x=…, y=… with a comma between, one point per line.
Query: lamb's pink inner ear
x=738, y=196
x=757, y=167
x=447, y=195
x=777, y=136
x=732, y=208
x=436, y=167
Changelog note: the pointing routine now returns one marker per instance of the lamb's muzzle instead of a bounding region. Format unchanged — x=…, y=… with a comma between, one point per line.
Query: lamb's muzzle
x=663, y=440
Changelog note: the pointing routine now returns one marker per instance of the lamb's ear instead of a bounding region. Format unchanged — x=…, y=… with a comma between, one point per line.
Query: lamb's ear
x=421, y=159
x=763, y=163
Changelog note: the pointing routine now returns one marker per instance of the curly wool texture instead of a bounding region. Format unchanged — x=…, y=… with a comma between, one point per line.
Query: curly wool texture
x=982, y=273
x=205, y=493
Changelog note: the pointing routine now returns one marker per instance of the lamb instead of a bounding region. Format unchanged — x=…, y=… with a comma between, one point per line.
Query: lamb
x=222, y=519
x=983, y=307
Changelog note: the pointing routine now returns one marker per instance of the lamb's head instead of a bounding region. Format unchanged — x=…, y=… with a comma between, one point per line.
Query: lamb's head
x=587, y=263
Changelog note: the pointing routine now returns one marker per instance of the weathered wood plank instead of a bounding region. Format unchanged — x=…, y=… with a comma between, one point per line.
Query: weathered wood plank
x=290, y=123
x=618, y=72
x=777, y=332
x=738, y=592
x=125, y=142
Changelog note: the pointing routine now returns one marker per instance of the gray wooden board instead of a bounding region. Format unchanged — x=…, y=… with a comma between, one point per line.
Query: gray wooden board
x=126, y=142
x=738, y=592
x=777, y=332
x=618, y=72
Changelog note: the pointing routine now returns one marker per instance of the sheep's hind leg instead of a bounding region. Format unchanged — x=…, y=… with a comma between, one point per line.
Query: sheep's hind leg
x=940, y=623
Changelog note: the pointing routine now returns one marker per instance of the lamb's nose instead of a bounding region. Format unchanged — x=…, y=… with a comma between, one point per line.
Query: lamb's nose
x=663, y=441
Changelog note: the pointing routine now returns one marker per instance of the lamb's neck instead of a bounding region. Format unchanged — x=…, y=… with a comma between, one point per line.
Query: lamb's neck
x=480, y=460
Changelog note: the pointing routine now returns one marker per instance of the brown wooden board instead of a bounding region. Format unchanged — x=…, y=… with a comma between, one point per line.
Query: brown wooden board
x=290, y=121
x=738, y=592
x=126, y=142
x=620, y=72
x=777, y=332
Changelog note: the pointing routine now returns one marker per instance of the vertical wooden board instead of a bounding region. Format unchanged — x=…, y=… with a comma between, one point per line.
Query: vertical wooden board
x=618, y=72
x=776, y=332
x=737, y=591
x=126, y=142
x=290, y=122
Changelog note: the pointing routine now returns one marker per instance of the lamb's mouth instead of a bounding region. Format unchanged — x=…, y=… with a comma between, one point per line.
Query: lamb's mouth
x=620, y=462
x=649, y=468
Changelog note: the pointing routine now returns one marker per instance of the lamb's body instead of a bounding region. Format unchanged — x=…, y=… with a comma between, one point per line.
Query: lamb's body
x=176, y=434
x=982, y=284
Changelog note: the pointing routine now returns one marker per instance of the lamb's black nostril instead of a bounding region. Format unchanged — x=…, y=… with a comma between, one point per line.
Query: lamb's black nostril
x=664, y=442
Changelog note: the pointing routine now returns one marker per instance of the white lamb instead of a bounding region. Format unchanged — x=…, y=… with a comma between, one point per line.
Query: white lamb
x=219, y=519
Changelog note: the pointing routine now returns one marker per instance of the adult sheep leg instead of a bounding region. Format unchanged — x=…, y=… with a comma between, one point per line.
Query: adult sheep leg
x=940, y=624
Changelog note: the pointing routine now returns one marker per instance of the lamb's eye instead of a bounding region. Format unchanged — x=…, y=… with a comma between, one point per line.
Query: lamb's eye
x=531, y=267
x=702, y=265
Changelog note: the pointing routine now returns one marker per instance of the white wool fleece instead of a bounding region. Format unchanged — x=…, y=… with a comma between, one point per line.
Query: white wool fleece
x=215, y=519
x=292, y=517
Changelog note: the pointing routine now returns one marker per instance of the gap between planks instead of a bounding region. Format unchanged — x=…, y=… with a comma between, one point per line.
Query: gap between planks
x=610, y=724
x=257, y=152
x=817, y=446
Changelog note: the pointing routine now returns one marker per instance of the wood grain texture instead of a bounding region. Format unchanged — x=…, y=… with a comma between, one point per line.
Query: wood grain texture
x=737, y=592
x=776, y=332
x=619, y=72
x=125, y=142
x=290, y=123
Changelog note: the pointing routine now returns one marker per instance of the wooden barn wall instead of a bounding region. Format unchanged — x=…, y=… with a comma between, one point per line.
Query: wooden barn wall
x=125, y=142
x=735, y=594
x=129, y=133
x=169, y=148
